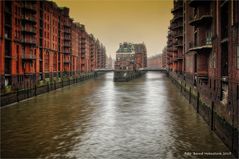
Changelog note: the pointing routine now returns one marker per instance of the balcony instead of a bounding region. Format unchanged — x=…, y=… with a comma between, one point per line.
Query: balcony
x=203, y=19
x=7, y=36
x=8, y=54
x=8, y=22
x=171, y=49
x=67, y=25
x=176, y=26
x=200, y=75
x=29, y=41
x=82, y=55
x=169, y=44
x=177, y=7
x=29, y=7
x=67, y=31
x=178, y=44
x=31, y=30
x=67, y=38
x=67, y=44
x=7, y=70
x=83, y=47
x=29, y=72
x=28, y=57
x=178, y=34
x=204, y=44
x=67, y=61
x=28, y=19
x=8, y=9
x=66, y=51
x=179, y=57
x=195, y=3
x=177, y=17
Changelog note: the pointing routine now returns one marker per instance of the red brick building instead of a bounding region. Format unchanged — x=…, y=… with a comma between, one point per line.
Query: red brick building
x=19, y=20
x=164, y=58
x=155, y=61
x=131, y=57
x=100, y=55
x=140, y=55
x=40, y=42
x=208, y=59
x=92, y=52
x=74, y=48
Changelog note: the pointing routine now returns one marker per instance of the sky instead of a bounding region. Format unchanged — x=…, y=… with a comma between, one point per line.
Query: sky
x=117, y=21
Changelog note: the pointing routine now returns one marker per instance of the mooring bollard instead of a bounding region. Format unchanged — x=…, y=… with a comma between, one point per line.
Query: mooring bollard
x=181, y=86
x=198, y=99
x=35, y=93
x=48, y=87
x=212, y=116
x=17, y=95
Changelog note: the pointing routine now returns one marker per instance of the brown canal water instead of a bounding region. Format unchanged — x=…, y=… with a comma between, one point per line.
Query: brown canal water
x=144, y=118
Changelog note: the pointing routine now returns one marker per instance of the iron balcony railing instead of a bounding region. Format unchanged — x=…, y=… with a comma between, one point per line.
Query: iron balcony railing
x=29, y=19
x=67, y=62
x=178, y=43
x=176, y=25
x=67, y=37
x=201, y=17
x=67, y=31
x=178, y=16
x=67, y=44
x=67, y=25
x=177, y=6
x=29, y=6
x=29, y=41
x=29, y=30
x=178, y=34
x=28, y=56
x=203, y=43
x=66, y=51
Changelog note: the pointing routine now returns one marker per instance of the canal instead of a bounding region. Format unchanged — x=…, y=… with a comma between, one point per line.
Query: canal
x=144, y=118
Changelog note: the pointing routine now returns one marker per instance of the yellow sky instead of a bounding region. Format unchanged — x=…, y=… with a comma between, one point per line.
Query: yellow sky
x=116, y=21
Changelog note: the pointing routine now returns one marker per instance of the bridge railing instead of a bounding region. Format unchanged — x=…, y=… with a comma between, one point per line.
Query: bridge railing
x=103, y=70
x=153, y=69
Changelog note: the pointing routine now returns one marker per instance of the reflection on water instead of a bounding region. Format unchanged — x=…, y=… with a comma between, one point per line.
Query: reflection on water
x=143, y=118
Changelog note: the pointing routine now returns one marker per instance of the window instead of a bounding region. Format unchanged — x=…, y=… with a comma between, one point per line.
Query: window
x=237, y=57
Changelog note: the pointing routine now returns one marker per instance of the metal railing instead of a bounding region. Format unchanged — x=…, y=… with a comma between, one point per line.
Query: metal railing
x=202, y=42
x=29, y=41
x=28, y=56
x=28, y=6
x=199, y=16
x=31, y=29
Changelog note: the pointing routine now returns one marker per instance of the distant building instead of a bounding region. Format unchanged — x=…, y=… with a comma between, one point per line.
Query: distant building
x=109, y=62
x=131, y=56
x=155, y=61
x=140, y=55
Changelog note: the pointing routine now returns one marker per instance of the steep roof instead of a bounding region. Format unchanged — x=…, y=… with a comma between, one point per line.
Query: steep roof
x=125, y=48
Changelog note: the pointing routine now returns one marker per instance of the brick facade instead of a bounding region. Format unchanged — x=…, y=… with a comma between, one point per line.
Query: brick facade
x=39, y=41
x=208, y=58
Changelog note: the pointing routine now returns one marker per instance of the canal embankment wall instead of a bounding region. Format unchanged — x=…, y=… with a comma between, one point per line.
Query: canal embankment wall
x=125, y=76
x=40, y=88
x=206, y=107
